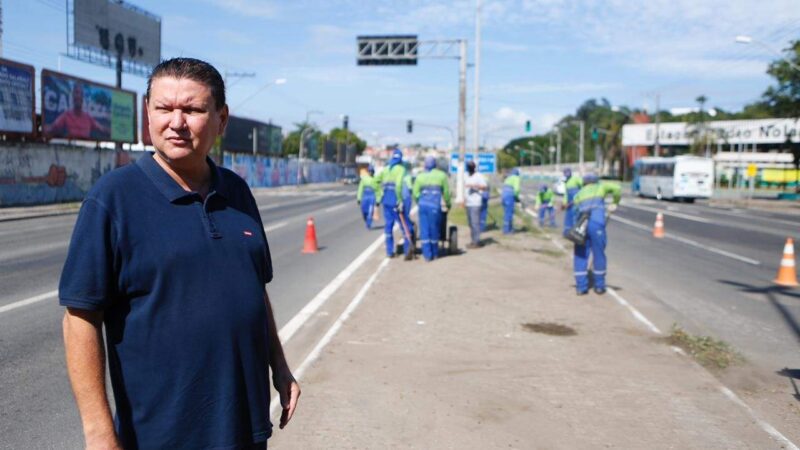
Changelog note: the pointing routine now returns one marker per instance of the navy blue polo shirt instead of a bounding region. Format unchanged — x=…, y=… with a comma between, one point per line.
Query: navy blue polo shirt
x=181, y=283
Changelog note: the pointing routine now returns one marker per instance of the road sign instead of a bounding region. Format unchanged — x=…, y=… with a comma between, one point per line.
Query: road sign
x=752, y=170
x=487, y=162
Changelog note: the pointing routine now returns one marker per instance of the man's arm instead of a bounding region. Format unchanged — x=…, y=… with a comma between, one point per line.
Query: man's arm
x=86, y=366
x=282, y=378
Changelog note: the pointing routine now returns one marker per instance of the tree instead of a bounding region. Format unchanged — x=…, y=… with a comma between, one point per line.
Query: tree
x=783, y=100
x=291, y=143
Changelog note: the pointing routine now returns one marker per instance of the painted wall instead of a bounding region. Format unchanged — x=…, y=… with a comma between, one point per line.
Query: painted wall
x=262, y=171
x=37, y=174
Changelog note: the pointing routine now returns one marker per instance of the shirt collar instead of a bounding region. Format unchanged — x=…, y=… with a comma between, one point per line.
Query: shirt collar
x=169, y=187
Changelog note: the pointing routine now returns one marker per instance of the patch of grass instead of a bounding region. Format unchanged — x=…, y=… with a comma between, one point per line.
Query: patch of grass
x=709, y=352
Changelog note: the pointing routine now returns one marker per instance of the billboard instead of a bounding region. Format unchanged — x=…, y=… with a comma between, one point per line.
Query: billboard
x=238, y=137
x=73, y=108
x=760, y=131
x=112, y=27
x=17, y=109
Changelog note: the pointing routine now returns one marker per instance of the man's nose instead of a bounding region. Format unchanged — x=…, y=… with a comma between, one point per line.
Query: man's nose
x=177, y=120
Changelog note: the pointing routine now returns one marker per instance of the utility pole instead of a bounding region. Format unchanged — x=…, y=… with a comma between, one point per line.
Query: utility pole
x=558, y=150
x=476, y=121
x=1, y=28
x=657, y=148
x=462, y=119
x=581, y=146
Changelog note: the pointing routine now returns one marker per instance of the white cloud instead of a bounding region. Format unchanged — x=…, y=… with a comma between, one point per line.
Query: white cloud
x=331, y=39
x=234, y=37
x=549, y=87
x=505, y=47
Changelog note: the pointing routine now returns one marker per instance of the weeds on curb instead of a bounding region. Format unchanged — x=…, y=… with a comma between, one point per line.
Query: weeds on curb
x=709, y=352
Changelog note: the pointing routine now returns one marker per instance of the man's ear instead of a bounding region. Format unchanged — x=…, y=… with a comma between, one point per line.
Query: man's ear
x=223, y=123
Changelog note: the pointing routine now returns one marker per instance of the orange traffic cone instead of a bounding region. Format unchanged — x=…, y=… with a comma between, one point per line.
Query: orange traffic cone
x=787, y=276
x=658, y=229
x=310, y=243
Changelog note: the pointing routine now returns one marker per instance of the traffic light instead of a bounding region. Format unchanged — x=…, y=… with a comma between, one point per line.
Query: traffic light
x=410, y=126
x=345, y=122
x=527, y=126
x=595, y=134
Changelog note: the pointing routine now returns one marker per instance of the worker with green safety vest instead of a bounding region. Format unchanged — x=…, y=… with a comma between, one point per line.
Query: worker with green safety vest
x=365, y=197
x=390, y=182
x=509, y=196
x=545, y=204
x=431, y=188
x=572, y=185
x=590, y=201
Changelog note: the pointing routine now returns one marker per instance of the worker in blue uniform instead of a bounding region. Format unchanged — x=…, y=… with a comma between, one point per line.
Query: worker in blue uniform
x=572, y=184
x=431, y=188
x=390, y=188
x=545, y=205
x=590, y=200
x=366, y=195
x=509, y=196
x=485, y=206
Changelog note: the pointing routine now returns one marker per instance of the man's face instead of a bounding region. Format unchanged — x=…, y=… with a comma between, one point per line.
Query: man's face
x=77, y=97
x=184, y=122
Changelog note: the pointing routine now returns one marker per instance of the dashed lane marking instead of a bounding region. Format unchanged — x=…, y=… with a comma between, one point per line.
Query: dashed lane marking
x=274, y=226
x=28, y=301
x=667, y=213
x=334, y=208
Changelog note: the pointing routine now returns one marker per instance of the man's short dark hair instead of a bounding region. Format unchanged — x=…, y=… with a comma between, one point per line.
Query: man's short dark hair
x=192, y=69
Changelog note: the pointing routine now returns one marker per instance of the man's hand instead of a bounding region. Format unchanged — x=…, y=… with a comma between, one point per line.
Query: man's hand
x=103, y=442
x=399, y=207
x=289, y=393
x=358, y=202
x=612, y=207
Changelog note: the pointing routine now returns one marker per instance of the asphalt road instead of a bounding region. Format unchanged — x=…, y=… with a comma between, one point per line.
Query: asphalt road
x=36, y=405
x=712, y=274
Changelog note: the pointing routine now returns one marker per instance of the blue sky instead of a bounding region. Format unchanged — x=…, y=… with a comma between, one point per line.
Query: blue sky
x=541, y=58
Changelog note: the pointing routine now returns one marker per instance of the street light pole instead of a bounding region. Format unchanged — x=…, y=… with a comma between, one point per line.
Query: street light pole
x=462, y=118
x=744, y=39
x=476, y=120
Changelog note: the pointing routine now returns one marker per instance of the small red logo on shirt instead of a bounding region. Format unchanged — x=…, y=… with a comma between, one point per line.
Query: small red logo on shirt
x=248, y=233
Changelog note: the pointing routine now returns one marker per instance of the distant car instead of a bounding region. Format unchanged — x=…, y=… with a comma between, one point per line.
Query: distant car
x=349, y=179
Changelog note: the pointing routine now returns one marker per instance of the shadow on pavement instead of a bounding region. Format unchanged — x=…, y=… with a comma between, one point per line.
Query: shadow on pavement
x=770, y=292
x=791, y=374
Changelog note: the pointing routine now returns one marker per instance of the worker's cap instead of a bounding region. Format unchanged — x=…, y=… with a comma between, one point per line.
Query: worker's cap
x=471, y=165
x=397, y=156
x=371, y=169
x=567, y=172
x=543, y=188
x=590, y=177
x=514, y=171
x=430, y=162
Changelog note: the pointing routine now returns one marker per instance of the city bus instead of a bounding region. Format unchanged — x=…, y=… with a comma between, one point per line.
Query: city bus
x=683, y=178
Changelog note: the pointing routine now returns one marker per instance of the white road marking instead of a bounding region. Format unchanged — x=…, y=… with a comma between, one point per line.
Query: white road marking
x=28, y=301
x=26, y=251
x=274, y=226
x=334, y=208
x=325, y=340
x=667, y=213
x=291, y=327
x=687, y=241
x=638, y=315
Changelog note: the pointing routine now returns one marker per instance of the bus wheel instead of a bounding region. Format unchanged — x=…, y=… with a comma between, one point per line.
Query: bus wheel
x=658, y=194
x=688, y=200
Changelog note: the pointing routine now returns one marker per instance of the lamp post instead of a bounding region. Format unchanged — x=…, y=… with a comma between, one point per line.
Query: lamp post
x=275, y=82
x=745, y=39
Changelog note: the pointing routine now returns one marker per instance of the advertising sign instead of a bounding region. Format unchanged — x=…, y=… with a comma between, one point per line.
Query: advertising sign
x=17, y=110
x=115, y=26
x=239, y=137
x=73, y=108
x=762, y=131
x=487, y=162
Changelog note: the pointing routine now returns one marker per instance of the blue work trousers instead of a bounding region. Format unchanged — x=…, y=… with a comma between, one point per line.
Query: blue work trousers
x=430, y=221
x=484, y=209
x=367, y=209
x=547, y=210
x=390, y=216
x=508, y=213
x=595, y=247
x=569, y=212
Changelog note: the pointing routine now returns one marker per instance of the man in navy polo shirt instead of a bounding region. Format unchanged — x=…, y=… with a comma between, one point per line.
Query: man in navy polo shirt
x=170, y=255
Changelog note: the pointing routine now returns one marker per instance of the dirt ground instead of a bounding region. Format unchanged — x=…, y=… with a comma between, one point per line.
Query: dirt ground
x=492, y=349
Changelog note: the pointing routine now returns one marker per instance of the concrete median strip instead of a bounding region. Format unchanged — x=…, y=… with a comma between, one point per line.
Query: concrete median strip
x=317, y=350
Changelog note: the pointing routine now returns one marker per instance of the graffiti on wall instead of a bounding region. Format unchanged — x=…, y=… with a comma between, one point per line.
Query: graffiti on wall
x=262, y=171
x=43, y=174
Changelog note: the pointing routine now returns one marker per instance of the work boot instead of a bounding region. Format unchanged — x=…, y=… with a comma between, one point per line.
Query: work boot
x=599, y=291
x=579, y=292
